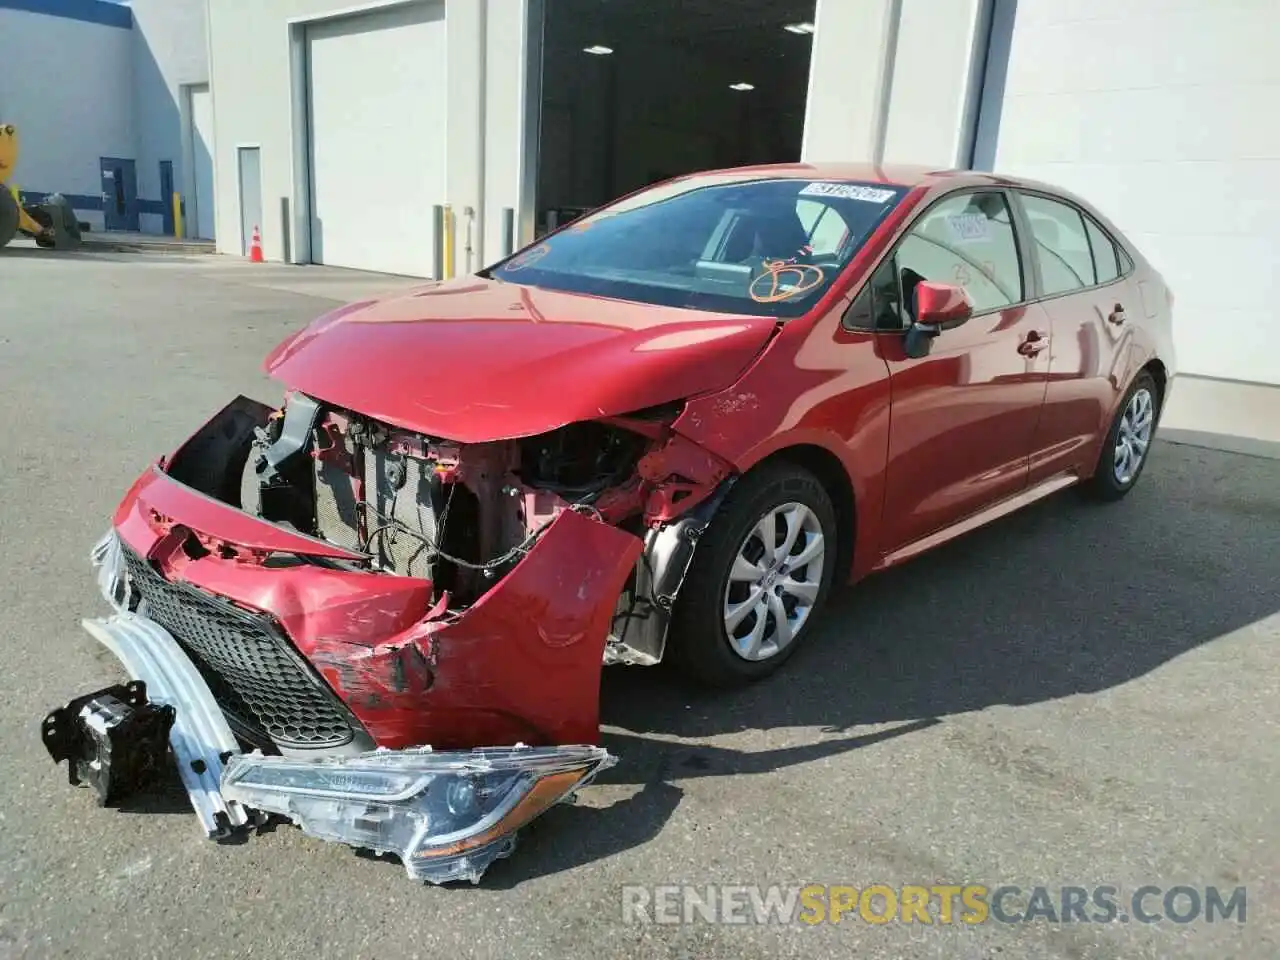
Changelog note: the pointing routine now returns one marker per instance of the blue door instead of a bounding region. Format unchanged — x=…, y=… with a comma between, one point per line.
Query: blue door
x=166, y=195
x=119, y=194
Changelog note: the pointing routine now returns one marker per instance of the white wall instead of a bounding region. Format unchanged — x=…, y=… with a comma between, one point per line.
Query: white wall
x=1158, y=111
x=170, y=49
x=893, y=80
x=378, y=147
x=847, y=73
x=504, y=108
x=67, y=85
x=1163, y=112
x=259, y=106
x=198, y=140
x=929, y=116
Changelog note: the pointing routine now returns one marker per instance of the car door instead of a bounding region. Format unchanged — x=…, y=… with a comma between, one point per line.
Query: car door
x=1082, y=279
x=963, y=417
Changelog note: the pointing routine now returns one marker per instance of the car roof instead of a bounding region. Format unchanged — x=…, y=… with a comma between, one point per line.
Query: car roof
x=898, y=174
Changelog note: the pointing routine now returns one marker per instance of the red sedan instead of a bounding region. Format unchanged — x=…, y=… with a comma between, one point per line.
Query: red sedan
x=665, y=431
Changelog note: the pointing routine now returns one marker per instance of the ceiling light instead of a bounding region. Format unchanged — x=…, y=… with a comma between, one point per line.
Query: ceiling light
x=798, y=28
x=598, y=50
x=740, y=85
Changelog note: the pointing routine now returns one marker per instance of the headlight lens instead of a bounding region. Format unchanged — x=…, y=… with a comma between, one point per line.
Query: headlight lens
x=447, y=815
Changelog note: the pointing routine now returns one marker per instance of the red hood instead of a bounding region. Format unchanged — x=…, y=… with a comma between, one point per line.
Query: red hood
x=473, y=359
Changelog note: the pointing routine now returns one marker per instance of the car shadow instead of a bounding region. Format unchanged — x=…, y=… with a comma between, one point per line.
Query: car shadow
x=1063, y=598
x=165, y=794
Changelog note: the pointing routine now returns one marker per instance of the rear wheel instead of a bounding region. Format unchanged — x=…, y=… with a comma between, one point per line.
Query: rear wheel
x=1128, y=442
x=758, y=579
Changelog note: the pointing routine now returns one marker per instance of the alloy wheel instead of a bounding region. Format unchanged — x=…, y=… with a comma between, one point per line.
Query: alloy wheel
x=774, y=582
x=1134, y=436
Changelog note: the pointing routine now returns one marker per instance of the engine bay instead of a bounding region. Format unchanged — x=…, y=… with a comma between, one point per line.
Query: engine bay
x=458, y=515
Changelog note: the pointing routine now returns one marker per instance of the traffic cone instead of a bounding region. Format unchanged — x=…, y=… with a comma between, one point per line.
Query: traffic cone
x=255, y=246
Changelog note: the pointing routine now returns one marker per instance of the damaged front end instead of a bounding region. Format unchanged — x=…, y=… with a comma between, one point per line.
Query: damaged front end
x=392, y=639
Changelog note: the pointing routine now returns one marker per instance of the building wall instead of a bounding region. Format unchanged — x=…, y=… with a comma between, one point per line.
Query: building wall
x=258, y=85
x=1163, y=114
x=930, y=121
x=1155, y=110
x=894, y=80
x=170, y=50
x=66, y=84
x=85, y=79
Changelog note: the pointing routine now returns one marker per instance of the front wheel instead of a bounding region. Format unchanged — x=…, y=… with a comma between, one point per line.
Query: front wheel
x=1128, y=442
x=760, y=575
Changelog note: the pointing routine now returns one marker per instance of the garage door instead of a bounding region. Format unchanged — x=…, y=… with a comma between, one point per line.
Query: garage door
x=202, y=161
x=1163, y=113
x=377, y=112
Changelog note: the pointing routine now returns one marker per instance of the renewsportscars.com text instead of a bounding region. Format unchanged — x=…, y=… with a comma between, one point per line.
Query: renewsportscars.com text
x=940, y=904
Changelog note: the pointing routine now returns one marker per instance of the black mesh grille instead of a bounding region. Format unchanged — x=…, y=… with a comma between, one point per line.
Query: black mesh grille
x=258, y=679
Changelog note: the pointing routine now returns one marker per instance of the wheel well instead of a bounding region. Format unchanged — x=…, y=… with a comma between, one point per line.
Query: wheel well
x=1161, y=377
x=826, y=466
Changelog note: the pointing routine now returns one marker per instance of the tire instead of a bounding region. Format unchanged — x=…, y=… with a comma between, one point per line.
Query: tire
x=700, y=644
x=1117, y=473
x=8, y=216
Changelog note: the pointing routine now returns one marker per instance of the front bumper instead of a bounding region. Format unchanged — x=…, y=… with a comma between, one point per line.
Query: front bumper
x=407, y=672
x=447, y=815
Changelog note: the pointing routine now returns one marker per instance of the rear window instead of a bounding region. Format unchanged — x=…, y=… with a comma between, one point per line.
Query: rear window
x=765, y=247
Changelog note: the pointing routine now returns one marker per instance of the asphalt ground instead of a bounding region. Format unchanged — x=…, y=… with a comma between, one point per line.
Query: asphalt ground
x=1076, y=696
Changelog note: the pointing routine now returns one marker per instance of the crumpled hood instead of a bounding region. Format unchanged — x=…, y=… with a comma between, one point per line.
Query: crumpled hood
x=473, y=359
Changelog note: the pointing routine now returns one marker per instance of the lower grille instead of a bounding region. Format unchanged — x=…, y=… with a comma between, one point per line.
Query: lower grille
x=259, y=680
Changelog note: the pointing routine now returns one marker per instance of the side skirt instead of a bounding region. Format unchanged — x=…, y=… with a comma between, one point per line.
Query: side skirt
x=981, y=518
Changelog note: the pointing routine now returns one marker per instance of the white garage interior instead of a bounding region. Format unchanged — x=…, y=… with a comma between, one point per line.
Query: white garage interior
x=1161, y=114
x=376, y=116
x=632, y=93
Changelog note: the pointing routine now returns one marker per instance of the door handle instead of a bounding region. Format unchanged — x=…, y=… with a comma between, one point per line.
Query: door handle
x=1033, y=344
x=1117, y=316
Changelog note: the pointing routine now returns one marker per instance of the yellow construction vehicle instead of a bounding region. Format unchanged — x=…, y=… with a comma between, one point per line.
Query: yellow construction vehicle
x=52, y=223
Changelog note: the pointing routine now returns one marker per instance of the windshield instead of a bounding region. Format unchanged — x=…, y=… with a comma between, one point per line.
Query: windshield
x=768, y=247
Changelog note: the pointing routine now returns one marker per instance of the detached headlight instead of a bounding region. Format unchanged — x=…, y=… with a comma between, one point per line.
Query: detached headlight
x=447, y=815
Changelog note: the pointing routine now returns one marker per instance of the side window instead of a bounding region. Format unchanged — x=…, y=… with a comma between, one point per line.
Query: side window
x=877, y=306
x=967, y=240
x=1062, y=245
x=1106, y=261
x=826, y=228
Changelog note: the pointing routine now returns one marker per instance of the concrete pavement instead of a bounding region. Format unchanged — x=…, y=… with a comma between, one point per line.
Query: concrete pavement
x=1076, y=696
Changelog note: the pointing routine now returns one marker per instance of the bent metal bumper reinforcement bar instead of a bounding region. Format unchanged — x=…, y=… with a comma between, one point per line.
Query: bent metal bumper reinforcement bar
x=201, y=739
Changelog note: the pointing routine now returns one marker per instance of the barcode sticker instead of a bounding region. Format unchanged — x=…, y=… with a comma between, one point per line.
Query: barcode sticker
x=847, y=191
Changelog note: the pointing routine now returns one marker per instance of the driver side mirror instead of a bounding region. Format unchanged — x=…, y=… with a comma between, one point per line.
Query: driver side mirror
x=936, y=307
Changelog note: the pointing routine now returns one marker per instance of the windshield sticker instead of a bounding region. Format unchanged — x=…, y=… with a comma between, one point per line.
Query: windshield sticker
x=969, y=226
x=783, y=280
x=528, y=258
x=847, y=191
